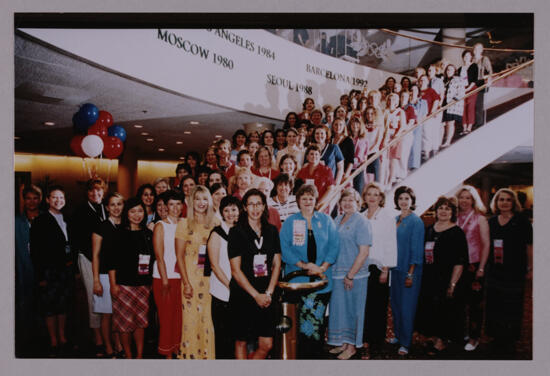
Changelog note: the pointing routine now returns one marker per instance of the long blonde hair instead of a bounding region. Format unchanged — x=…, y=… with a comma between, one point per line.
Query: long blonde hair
x=478, y=204
x=210, y=218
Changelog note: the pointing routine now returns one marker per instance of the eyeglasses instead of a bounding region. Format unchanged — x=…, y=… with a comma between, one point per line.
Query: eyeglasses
x=255, y=205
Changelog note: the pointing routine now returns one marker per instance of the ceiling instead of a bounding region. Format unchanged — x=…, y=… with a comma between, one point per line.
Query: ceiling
x=50, y=86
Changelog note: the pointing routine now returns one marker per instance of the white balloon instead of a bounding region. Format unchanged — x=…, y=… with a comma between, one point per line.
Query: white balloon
x=92, y=145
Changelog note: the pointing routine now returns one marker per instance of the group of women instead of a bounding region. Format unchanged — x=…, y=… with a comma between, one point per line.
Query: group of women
x=211, y=245
x=214, y=281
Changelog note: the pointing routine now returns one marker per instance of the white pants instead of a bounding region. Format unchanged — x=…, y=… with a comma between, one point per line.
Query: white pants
x=431, y=134
x=87, y=276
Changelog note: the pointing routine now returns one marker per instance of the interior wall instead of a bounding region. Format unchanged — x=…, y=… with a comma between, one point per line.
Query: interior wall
x=70, y=172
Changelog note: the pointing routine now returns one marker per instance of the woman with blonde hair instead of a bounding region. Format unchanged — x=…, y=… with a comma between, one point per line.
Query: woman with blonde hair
x=350, y=277
x=510, y=264
x=197, y=338
x=241, y=182
x=358, y=134
x=472, y=221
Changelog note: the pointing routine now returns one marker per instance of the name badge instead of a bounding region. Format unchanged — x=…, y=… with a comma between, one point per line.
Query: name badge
x=202, y=256
x=429, y=252
x=299, y=233
x=310, y=181
x=260, y=265
x=498, y=251
x=143, y=264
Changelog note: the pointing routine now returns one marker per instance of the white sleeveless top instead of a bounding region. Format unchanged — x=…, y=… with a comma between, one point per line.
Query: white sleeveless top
x=218, y=289
x=169, y=252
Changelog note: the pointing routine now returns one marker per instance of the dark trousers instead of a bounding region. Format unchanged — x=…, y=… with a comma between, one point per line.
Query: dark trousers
x=221, y=317
x=480, y=108
x=473, y=301
x=376, y=309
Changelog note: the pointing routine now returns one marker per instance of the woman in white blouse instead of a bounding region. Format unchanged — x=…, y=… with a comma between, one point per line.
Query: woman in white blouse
x=382, y=257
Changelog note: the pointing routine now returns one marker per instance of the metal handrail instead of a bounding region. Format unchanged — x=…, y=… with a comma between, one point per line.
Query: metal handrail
x=329, y=196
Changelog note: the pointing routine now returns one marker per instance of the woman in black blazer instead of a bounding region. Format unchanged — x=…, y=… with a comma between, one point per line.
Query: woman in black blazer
x=53, y=265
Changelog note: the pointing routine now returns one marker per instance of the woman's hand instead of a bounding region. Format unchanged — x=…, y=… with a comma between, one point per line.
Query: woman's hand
x=151, y=226
x=262, y=300
x=480, y=273
x=115, y=290
x=408, y=282
x=188, y=291
x=450, y=291
x=165, y=288
x=348, y=283
x=383, y=279
x=98, y=288
x=313, y=269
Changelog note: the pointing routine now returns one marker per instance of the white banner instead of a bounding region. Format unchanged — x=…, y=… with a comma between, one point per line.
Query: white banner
x=246, y=70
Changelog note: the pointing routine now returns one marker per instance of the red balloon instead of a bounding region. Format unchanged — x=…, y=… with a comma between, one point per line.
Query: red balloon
x=105, y=118
x=99, y=130
x=76, y=145
x=113, y=147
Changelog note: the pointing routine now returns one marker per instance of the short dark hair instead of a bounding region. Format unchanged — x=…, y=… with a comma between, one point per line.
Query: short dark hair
x=450, y=202
x=243, y=217
x=215, y=187
x=241, y=153
x=132, y=202
x=171, y=195
x=220, y=172
x=230, y=201
x=309, y=189
x=55, y=187
x=401, y=190
x=282, y=179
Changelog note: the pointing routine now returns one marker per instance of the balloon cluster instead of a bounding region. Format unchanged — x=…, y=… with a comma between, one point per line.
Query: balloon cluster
x=95, y=133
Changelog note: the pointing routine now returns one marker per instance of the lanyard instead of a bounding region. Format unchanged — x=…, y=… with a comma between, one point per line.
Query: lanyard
x=463, y=225
x=95, y=211
x=259, y=243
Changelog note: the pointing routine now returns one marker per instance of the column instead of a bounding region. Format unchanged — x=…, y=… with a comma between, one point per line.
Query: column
x=453, y=36
x=127, y=173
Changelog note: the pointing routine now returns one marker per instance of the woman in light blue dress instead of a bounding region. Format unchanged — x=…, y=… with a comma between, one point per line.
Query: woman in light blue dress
x=406, y=276
x=350, y=276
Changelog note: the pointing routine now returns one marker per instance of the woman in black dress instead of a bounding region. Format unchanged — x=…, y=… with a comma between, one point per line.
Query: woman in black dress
x=510, y=264
x=255, y=257
x=445, y=254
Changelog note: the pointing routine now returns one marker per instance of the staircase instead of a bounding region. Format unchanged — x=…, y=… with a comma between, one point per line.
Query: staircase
x=509, y=123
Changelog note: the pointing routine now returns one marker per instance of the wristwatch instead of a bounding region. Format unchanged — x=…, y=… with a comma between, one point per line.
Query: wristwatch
x=409, y=275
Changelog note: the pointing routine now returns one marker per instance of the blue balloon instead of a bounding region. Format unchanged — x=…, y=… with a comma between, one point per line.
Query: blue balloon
x=89, y=114
x=117, y=131
x=79, y=126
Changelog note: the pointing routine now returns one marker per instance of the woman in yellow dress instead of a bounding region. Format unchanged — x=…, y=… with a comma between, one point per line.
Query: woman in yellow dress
x=197, y=339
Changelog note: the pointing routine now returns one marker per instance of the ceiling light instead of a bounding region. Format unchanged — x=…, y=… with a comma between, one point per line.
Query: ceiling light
x=187, y=132
x=218, y=136
x=179, y=142
x=16, y=137
x=138, y=126
x=144, y=134
x=182, y=158
x=161, y=149
x=194, y=123
x=150, y=139
x=49, y=123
